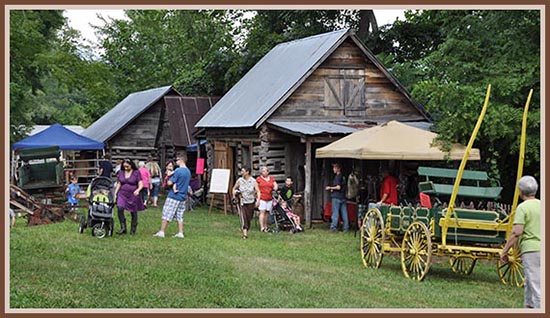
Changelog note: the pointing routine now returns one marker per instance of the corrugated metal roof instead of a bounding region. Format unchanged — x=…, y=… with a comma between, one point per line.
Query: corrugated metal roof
x=251, y=101
x=267, y=83
x=312, y=128
x=123, y=113
x=183, y=114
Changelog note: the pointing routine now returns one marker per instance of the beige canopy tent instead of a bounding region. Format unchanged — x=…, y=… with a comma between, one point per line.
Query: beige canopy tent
x=392, y=141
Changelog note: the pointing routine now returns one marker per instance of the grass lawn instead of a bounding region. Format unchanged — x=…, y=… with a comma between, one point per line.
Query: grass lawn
x=52, y=266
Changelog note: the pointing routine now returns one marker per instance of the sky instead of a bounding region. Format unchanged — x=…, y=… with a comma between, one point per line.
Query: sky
x=81, y=19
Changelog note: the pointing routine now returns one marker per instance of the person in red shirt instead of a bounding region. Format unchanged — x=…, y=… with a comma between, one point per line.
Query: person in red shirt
x=388, y=190
x=266, y=184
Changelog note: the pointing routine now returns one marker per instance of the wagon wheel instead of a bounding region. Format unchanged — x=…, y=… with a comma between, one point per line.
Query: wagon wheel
x=372, y=239
x=462, y=264
x=98, y=230
x=416, y=251
x=511, y=273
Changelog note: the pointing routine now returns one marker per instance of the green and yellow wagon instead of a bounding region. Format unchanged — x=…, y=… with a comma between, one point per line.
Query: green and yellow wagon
x=463, y=234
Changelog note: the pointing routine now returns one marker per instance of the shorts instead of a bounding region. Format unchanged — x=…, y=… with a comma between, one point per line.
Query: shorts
x=173, y=208
x=266, y=205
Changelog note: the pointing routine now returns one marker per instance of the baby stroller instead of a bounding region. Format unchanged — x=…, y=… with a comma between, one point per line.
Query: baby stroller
x=279, y=218
x=195, y=197
x=101, y=207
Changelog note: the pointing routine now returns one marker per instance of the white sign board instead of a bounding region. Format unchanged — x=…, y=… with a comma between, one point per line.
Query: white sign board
x=219, y=183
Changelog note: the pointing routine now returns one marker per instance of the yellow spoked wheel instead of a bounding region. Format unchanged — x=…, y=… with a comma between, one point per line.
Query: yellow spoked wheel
x=416, y=251
x=511, y=273
x=372, y=239
x=462, y=264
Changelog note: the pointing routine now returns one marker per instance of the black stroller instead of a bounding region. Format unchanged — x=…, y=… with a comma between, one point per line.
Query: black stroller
x=101, y=206
x=279, y=218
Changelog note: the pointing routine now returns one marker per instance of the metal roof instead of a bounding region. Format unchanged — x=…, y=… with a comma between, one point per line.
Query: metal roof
x=278, y=74
x=183, y=114
x=123, y=113
x=271, y=80
x=311, y=128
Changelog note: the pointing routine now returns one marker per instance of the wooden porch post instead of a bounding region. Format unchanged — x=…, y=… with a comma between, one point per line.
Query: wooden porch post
x=307, y=189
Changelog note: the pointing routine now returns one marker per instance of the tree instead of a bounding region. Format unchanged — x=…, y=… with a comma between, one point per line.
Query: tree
x=52, y=77
x=267, y=28
x=77, y=89
x=31, y=32
x=447, y=58
x=189, y=49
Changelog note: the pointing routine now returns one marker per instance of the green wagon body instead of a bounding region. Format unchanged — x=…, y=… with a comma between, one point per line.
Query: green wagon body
x=417, y=232
x=41, y=169
x=399, y=218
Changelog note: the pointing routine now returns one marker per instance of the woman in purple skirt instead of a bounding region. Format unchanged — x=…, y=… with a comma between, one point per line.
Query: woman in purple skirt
x=127, y=190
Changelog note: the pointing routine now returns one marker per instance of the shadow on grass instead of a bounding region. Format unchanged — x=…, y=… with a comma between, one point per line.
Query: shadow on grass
x=440, y=269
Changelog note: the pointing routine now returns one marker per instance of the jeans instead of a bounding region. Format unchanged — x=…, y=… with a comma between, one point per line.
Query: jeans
x=155, y=190
x=339, y=205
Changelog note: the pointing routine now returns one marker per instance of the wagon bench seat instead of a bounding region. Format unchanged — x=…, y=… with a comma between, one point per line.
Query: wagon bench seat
x=429, y=187
x=475, y=220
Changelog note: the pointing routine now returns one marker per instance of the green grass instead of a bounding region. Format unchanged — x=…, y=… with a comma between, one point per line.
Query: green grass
x=52, y=266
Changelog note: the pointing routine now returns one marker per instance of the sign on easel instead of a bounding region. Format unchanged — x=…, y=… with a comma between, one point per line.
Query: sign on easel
x=219, y=183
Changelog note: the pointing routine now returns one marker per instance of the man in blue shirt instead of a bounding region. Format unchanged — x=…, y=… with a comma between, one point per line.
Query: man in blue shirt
x=176, y=200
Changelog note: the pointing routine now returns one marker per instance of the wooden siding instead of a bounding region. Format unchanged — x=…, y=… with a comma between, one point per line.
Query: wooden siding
x=138, y=139
x=346, y=87
x=150, y=134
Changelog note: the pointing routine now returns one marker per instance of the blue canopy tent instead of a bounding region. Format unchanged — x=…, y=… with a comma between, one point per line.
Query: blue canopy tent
x=66, y=140
x=57, y=135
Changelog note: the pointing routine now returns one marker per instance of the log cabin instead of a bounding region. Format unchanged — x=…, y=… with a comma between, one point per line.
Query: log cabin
x=157, y=122
x=302, y=95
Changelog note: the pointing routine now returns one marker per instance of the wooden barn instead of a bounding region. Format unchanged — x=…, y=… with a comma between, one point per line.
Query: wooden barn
x=156, y=122
x=303, y=95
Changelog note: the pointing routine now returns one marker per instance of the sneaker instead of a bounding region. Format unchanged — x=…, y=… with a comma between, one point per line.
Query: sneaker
x=179, y=235
x=159, y=234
